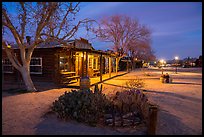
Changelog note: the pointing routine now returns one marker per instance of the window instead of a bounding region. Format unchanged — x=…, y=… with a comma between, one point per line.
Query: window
x=7, y=66
x=94, y=63
x=90, y=62
x=36, y=66
x=64, y=63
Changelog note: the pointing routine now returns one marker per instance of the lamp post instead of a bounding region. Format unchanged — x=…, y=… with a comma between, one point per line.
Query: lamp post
x=162, y=62
x=176, y=59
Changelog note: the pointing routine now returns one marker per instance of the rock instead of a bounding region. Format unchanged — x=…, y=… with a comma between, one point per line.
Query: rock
x=108, y=116
x=118, y=123
x=128, y=115
x=127, y=121
x=108, y=121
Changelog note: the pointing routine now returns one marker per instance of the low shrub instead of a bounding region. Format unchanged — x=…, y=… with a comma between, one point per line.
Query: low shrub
x=89, y=107
x=81, y=105
x=128, y=100
x=135, y=83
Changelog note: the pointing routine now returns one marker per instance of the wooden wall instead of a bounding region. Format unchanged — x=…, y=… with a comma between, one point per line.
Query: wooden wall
x=48, y=66
x=48, y=62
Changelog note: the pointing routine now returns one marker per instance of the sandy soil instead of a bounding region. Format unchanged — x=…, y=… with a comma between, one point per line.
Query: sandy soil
x=180, y=107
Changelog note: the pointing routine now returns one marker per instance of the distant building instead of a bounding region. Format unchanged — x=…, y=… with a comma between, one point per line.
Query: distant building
x=198, y=62
x=189, y=62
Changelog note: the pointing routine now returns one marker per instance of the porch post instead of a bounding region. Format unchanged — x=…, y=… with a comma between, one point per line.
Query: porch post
x=92, y=65
x=109, y=67
x=82, y=66
x=86, y=64
x=84, y=80
x=101, y=67
x=96, y=63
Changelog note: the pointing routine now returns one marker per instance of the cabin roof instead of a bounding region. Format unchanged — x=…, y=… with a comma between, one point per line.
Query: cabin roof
x=78, y=44
x=51, y=44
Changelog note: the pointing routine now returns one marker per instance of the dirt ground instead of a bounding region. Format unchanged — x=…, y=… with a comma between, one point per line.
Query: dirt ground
x=180, y=106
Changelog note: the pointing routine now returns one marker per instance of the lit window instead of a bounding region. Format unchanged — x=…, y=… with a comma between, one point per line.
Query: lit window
x=7, y=66
x=36, y=66
x=90, y=62
x=94, y=63
x=64, y=63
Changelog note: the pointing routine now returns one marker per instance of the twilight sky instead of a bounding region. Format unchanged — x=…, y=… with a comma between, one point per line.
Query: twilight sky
x=176, y=26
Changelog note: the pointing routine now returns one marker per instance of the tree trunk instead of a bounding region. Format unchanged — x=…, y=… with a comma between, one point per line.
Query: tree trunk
x=27, y=79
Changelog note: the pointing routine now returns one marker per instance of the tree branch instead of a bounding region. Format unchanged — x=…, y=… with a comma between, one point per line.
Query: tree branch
x=12, y=58
x=23, y=24
x=10, y=26
x=48, y=11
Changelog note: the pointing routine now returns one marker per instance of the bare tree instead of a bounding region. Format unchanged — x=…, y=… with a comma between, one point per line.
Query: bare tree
x=141, y=50
x=126, y=34
x=45, y=22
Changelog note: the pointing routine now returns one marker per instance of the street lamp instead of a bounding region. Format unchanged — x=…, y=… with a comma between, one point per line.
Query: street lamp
x=162, y=62
x=176, y=59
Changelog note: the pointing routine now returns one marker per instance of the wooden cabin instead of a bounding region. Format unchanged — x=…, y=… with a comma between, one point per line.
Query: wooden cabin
x=62, y=64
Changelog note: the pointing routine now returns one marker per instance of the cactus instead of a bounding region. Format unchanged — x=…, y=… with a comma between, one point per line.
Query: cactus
x=81, y=105
x=87, y=106
x=97, y=90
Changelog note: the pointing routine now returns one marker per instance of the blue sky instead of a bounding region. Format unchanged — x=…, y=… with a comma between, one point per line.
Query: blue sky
x=176, y=26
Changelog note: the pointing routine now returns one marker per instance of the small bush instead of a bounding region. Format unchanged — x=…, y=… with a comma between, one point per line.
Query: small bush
x=128, y=100
x=86, y=106
x=135, y=83
x=81, y=105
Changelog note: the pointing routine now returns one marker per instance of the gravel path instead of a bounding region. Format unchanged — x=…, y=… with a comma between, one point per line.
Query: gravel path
x=180, y=107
